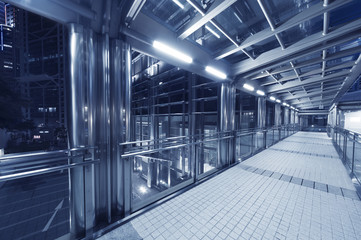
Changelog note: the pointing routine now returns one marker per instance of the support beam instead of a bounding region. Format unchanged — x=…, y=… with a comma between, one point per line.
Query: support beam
x=336, y=55
x=305, y=15
x=313, y=72
x=296, y=84
x=311, y=100
x=217, y=7
x=331, y=90
x=142, y=34
x=355, y=74
x=304, y=47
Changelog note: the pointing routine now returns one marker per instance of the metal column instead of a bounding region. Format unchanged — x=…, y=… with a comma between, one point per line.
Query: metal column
x=81, y=194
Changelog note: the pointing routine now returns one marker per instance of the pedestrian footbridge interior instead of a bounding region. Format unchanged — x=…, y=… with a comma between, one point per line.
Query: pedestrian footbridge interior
x=196, y=119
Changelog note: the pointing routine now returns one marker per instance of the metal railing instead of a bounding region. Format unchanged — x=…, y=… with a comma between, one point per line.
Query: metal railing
x=348, y=145
x=15, y=166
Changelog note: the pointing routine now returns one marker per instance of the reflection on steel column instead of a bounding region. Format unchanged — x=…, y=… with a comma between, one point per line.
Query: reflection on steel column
x=287, y=116
x=128, y=125
x=90, y=111
x=116, y=114
x=261, y=112
x=76, y=127
x=278, y=120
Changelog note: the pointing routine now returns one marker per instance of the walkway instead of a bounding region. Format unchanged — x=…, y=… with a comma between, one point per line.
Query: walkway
x=297, y=189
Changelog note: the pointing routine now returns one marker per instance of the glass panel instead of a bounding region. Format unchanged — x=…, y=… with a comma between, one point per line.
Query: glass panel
x=35, y=207
x=349, y=149
x=269, y=138
x=282, y=10
x=276, y=135
x=258, y=141
x=207, y=156
x=345, y=14
x=242, y=19
x=302, y=30
x=156, y=172
x=169, y=13
x=246, y=145
x=357, y=163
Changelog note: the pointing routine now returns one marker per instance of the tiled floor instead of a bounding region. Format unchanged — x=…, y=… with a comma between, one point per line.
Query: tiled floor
x=240, y=204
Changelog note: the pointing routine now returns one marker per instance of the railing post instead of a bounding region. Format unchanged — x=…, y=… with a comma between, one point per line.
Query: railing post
x=353, y=153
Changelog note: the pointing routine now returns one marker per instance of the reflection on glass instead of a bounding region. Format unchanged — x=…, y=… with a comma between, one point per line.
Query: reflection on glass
x=156, y=172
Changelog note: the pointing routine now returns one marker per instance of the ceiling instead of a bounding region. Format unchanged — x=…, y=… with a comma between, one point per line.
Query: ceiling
x=304, y=52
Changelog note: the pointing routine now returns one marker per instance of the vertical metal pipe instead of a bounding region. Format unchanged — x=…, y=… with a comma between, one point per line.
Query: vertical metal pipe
x=75, y=124
x=129, y=129
x=90, y=110
x=353, y=153
x=116, y=114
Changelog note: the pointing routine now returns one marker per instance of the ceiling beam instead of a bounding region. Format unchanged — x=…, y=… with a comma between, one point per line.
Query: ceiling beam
x=144, y=30
x=340, y=54
x=197, y=22
x=311, y=100
x=354, y=75
x=313, y=94
x=348, y=64
x=301, y=48
x=296, y=83
x=305, y=15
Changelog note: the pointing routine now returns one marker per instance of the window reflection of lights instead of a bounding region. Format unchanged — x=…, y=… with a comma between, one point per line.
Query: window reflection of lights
x=239, y=19
x=143, y=189
x=178, y=3
x=162, y=182
x=212, y=31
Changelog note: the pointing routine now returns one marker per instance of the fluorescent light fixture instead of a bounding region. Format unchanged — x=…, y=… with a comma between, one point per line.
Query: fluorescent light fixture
x=212, y=31
x=216, y=72
x=284, y=104
x=172, y=52
x=272, y=98
x=277, y=100
x=259, y=92
x=196, y=7
x=248, y=87
x=178, y=3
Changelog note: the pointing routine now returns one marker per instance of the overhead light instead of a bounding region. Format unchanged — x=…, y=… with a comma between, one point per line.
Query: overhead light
x=178, y=3
x=259, y=92
x=196, y=7
x=212, y=31
x=216, y=72
x=277, y=100
x=272, y=98
x=172, y=52
x=248, y=87
x=284, y=104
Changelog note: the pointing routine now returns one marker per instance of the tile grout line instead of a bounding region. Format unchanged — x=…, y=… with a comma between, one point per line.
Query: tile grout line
x=302, y=182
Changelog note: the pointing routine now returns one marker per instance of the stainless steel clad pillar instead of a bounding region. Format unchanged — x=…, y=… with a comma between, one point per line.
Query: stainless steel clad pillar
x=261, y=112
x=76, y=128
x=287, y=116
x=117, y=126
x=90, y=118
x=226, y=123
x=278, y=120
x=129, y=127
